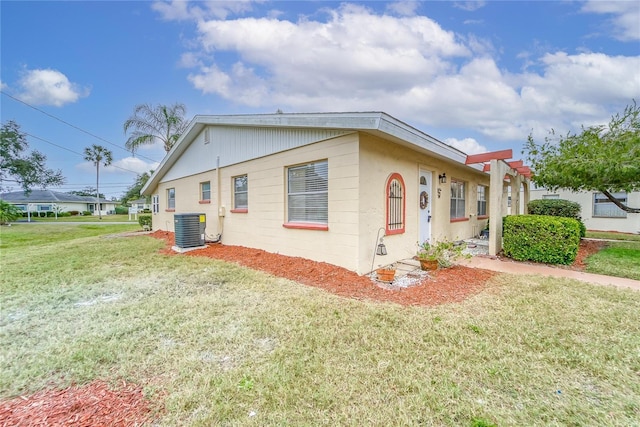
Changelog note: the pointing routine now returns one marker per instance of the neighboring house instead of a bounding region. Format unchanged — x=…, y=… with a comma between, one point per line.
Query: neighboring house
x=38, y=202
x=320, y=186
x=598, y=212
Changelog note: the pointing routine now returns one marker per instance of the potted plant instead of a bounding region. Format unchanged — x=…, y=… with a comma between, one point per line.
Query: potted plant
x=428, y=256
x=440, y=254
x=484, y=234
x=387, y=273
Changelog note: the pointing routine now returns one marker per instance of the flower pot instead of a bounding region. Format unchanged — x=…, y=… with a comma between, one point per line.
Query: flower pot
x=385, y=275
x=429, y=264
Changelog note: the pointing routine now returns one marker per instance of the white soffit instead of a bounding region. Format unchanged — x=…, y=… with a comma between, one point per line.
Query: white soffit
x=377, y=123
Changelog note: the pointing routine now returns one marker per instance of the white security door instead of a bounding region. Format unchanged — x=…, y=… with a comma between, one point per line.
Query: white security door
x=425, y=204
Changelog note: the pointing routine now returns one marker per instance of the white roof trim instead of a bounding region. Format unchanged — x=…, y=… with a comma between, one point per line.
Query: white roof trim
x=378, y=123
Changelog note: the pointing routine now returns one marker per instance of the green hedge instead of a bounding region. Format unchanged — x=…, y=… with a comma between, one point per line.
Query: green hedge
x=558, y=207
x=122, y=210
x=144, y=221
x=541, y=238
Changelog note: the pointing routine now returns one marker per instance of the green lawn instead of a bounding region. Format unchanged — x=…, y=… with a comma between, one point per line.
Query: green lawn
x=613, y=236
x=213, y=342
x=85, y=218
x=620, y=259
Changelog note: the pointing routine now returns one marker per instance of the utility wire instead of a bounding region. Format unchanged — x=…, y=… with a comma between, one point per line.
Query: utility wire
x=75, y=152
x=74, y=126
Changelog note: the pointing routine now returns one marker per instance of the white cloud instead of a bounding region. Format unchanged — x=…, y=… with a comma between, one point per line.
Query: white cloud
x=467, y=145
x=403, y=7
x=134, y=164
x=469, y=6
x=126, y=165
x=190, y=60
x=180, y=10
x=49, y=87
x=408, y=66
x=625, y=22
x=3, y=86
x=355, y=52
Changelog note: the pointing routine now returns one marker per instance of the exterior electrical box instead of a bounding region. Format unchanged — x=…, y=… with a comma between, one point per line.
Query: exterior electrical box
x=189, y=229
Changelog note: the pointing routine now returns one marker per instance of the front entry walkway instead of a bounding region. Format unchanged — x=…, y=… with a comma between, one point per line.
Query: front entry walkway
x=514, y=267
x=408, y=271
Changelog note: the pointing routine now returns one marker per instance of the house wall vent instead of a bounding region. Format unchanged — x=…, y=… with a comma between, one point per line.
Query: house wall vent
x=189, y=229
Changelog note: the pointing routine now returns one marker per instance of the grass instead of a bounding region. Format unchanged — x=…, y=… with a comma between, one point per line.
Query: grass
x=85, y=218
x=218, y=344
x=620, y=259
x=35, y=235
x=613, y=236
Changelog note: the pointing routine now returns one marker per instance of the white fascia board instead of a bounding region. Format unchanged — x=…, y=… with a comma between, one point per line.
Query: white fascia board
x=350, y=121
x=360, y=121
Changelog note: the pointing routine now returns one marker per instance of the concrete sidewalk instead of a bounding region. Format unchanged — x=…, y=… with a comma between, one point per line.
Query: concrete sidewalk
x=514, y=267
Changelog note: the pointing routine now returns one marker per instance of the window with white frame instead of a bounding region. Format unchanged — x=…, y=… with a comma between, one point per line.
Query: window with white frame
x=155, y=203
x=395, y=192
x=482, y=200
x=307, y=193
x=171, y=198
x=205, y=191
x=240, y=192
x=457, y=199
x=603, y=207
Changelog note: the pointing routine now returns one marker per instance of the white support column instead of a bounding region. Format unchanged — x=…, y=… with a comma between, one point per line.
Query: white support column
x=515, y=194
x=496, y=205
x=525, y=195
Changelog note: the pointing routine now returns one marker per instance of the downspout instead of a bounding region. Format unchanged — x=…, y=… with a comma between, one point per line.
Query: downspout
x=220, y=212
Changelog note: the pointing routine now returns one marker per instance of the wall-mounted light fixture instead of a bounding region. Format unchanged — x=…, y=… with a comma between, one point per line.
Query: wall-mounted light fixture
x=442, y=178
x=381, y=249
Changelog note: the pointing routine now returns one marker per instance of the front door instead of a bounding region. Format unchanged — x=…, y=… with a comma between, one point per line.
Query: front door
x=425, y=205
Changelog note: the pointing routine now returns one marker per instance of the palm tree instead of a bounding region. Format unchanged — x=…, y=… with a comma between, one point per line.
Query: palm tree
x=148, y=124
x=98, y=154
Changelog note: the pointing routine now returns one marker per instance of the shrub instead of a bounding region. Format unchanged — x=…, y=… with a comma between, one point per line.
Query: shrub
x=147, y=211
x=85, y=213
x=63, y=214
x=8, y=212
x=541, y=238
x=558, y=207
x=144, y=221
x=74, y=213
x=122, y=210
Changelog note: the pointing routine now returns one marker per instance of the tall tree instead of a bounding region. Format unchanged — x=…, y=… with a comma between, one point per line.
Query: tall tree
x=133, y=193
x=602, y=158
x=149, y=124
x=86, y=192
x=97, y=154
x=16, y=166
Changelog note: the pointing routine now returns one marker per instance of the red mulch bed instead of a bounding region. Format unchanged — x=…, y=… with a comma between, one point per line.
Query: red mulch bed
x=448, y=285
x=586, y=249
x=91, y=405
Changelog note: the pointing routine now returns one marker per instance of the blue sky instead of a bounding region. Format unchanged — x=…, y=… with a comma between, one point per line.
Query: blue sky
x=478, y=75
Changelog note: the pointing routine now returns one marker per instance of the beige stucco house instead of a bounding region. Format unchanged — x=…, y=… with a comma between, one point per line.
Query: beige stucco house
x=40, y=202
x=322, y=186
x=598, y=212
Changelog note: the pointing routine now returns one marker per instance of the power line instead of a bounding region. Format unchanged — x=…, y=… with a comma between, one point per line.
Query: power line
x=74, y=126
x=75, y=152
